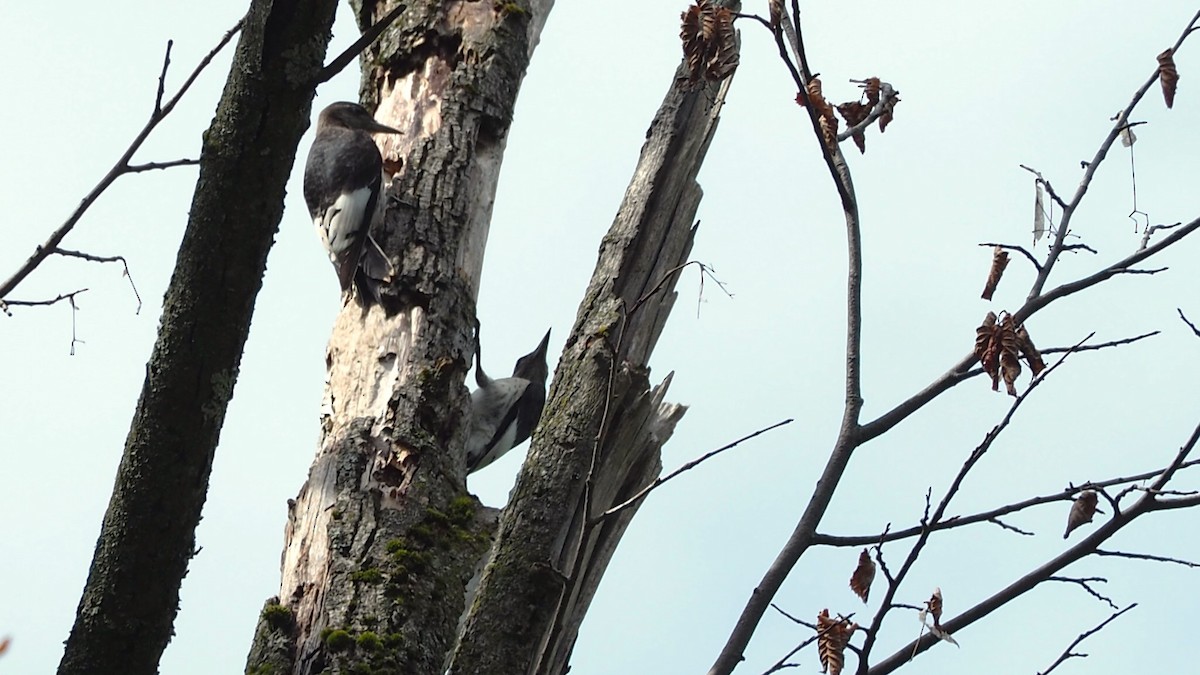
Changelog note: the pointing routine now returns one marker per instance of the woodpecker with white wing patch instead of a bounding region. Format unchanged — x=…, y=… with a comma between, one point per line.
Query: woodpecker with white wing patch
x=341, y=186
x=505, y=412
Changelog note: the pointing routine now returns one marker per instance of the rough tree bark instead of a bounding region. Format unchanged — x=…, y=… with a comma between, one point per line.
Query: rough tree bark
x=383, y=541
x=125, y=616
x=383, y=537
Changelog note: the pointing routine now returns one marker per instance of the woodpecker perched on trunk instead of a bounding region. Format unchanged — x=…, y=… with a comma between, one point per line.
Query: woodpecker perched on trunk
x=505, y=412
x=341, y=186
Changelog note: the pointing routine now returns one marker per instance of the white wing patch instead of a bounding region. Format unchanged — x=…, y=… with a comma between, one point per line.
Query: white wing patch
x=340, y=224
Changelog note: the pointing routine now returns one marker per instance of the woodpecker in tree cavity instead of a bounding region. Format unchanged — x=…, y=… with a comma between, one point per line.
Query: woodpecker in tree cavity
x=341, y=186
x=505, y=412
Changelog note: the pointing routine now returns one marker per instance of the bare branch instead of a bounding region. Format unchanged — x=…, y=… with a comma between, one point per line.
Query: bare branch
x=1191, y=325
x=1067, y=653
x=153, y=166
x=120, y=168
x=1121, y=122
x=1086, y=584
x=1020, y=249
x=1049, y=188
x=1145, y=556
x=1152, y=229
x=40, y=303
x=369, y=35
x=1010, y=528
x=634, y=500
x=106, y=259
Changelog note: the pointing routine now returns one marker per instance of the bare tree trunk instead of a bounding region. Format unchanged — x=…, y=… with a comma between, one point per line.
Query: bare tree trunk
x=125, y=616
x=383, y=537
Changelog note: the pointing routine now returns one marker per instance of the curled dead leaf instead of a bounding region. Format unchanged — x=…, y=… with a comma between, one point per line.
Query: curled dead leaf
x=1168, y=76
x=1082, y=511
x=855, y=112
x=934, y=607
x=4, y=642
x=1039, y=214
x=776, y=9
x=871, y=87
x=828, y=121
x=1032, y=356
x=864, y=574
x=709, y=42
x=999, y=262
x=832, y=637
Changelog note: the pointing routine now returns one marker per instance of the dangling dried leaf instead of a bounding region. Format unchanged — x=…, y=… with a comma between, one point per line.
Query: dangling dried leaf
x=1128, y=138
x=864, y=574
x=1168, y=77
x=889, y=107
x=854, y=112
x=1010, y=362
x=987, y=348
x=4, y=642
x=934, y=607
x=871, y=90
x=1039, y=214
x=1081, y=511
x=709, y=42
x=832, y=637
x=1032, y=356
x=997, y=347
x=829, y=122
x=999, y=262
x=776, y=7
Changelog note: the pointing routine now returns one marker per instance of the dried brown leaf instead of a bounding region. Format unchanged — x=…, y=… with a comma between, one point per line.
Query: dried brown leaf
x=1081, y=511
x=832, y=637
x=828, y=120
x=855, y=112
x=1168, y=76
x=934, y=607
x=871, y=90
x=987, y=348
x=1032, y=356
x=709, y=42
x=999, y=262
x=1010, y=361
x=4, y=642
x=889, y=108
x=864, y=574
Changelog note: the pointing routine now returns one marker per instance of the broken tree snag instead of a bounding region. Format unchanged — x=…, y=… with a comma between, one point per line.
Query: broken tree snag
x=382, y=539
x=551, y=548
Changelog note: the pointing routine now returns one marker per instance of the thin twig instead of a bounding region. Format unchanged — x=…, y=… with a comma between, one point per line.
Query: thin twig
x=1067, y=653
x=1086, y=584
x=1011, y=528
x=1049, y=188
x=1145, y=556
x=1020, y=249
x=1152, y=229
x=106, y=259
x=36, y=303
x=1191, y=325
x=634, y=500
x=153, y=166
x=120, y=168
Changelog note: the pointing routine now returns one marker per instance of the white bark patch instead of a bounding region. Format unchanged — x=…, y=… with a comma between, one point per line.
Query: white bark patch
x=412, y=104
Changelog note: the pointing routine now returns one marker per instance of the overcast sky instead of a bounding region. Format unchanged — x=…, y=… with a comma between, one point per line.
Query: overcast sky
x=983, y=90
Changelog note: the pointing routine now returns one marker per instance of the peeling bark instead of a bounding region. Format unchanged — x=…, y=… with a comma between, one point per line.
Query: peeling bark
x=383, y=539
x=128, y=607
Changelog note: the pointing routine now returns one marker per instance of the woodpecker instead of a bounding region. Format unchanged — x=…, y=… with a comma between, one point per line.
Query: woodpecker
x=341, y=186
x=505, y=412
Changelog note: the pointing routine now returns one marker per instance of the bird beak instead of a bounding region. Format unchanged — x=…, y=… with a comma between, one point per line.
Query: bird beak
x=541, y=348
x=377, y=128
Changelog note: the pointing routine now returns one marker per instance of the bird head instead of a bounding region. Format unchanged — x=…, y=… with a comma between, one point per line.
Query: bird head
x=351, y=116
x=532, y=366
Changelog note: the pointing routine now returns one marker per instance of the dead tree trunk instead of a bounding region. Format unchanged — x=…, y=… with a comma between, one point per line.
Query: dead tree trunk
x=383, y=537
x=601, y=434
x=128, y=607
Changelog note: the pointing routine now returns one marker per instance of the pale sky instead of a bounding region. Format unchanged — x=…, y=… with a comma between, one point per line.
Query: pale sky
x=983, y=90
